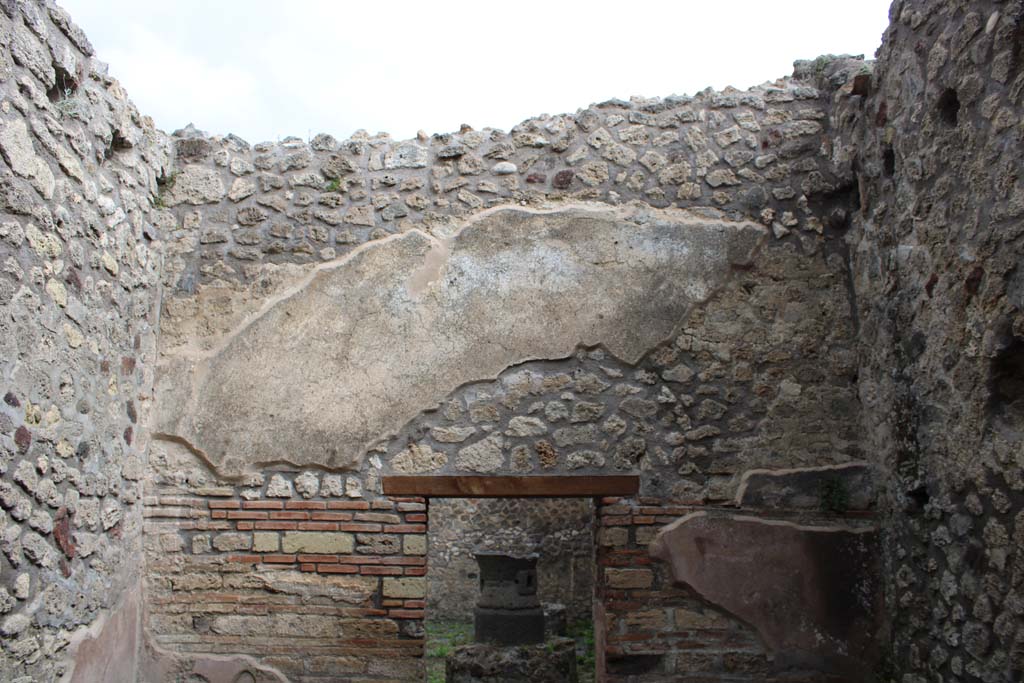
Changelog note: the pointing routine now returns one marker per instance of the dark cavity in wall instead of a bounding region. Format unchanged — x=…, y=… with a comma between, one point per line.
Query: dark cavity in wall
x=634, y=664
x=118, y=143
x=1007, y=380
x=949, y=107
x=65, y=85
x=918, y=498
x=889, y=161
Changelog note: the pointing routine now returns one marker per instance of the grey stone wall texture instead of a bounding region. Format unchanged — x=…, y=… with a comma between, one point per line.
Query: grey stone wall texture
x=936, y=146
x=794, y=312
x=560, y=530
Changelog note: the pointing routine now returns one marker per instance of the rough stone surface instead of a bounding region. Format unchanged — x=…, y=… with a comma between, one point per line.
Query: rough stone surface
x=551, y=662
x=811, y=592
x=80, y=255
x=559, y=530
x=602, y=264
x=739, y=296
x=934, y=144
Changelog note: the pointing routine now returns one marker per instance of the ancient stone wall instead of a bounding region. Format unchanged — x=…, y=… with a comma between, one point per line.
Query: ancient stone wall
x=559, y=530
x=79, y=248
x=935, y=139
x=738, y=297
x=653, y=287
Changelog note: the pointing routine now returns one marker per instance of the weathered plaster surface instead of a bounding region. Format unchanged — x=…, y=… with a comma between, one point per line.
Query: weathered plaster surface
x=367, y=343
x=808, y=590
x=109, y=649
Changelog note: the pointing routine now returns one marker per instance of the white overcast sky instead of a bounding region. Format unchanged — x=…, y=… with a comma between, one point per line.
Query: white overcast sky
x=266, y=69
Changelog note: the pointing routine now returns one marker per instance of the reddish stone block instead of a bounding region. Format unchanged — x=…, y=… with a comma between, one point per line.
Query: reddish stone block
x=244, y=558
x=318, y=526
x=62, y=533
x=380, y=571
x=318, y=558
x=305, y=505
x=289, y=515
x=224, y=504
x=332, y=516
x=416, y=518
x=563, y=179
x=348, y=505
x=22, y=438
x=279, y=559
x=406, y=613
x=262, y=505
x=337, y=569
x=243, y=514
x=405, y=528
x=276, y=526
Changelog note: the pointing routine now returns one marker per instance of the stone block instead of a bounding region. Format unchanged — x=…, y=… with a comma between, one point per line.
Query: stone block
x=694, y=620
x=613, y=536
x=265, y=542
x=414, y=544
x=232, y=541
x=646, y=620
x=551, y=662
x=317, y=542
x=407, y=587
x=629, y=578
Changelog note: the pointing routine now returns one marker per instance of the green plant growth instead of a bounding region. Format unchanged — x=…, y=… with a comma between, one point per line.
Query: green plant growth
x=583, y=633
x=333, y=186
x=442, y=638
x=67, y=105
x=164, y=185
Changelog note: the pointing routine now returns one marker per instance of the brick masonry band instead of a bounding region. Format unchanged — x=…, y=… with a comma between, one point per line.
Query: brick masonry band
x=511, y=486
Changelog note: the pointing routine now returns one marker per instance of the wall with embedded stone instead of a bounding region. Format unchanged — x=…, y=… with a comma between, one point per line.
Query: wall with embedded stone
x=80, y=255
x=653, y=287
x=937, y=137
x=559, y=530
x=738, y=296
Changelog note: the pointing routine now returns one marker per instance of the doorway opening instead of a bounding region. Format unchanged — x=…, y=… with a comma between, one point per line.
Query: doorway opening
x=552, y=518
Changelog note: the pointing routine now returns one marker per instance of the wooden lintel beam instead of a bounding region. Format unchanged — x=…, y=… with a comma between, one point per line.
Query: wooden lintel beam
x=511, y=487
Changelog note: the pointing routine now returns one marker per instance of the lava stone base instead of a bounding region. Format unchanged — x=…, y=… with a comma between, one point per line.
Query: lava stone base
x=508, y=627
x=551, y=662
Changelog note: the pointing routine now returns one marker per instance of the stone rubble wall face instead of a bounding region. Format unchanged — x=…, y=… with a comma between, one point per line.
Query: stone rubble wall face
x=762, y=375
x=79, y=272
x=778, y=370
x=937, y=271
x=754, y=380
x=763, y=153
